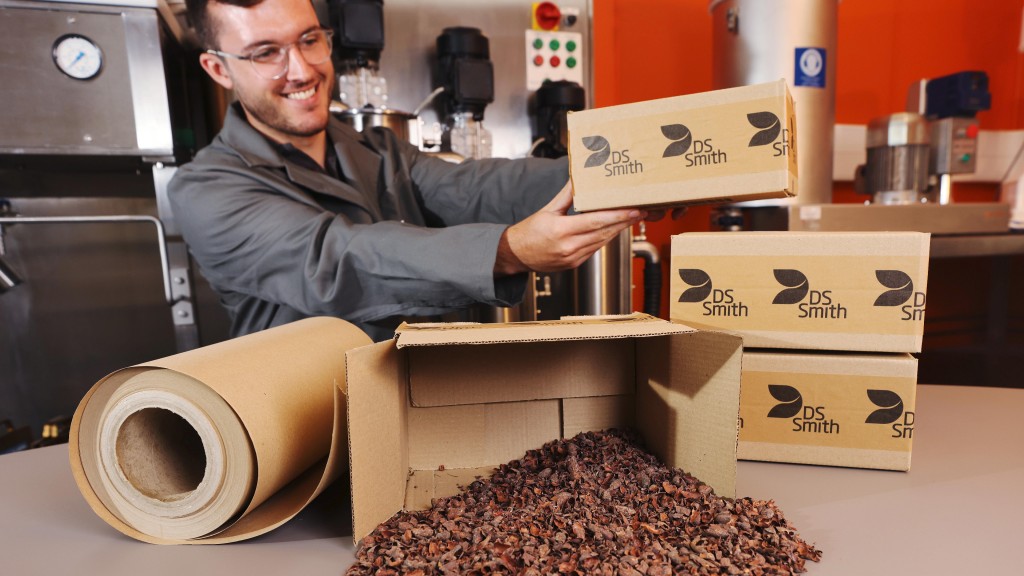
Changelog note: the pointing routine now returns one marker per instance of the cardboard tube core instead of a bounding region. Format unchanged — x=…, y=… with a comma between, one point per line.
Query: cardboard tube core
x=160, y=454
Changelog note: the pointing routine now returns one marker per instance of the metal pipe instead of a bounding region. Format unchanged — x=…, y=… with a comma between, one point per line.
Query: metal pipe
x=161, y=237
x=8, y=277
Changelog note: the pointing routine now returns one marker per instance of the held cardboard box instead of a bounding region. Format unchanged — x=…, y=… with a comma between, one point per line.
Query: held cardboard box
x=721, y=146
x=853, y=410
x=858, y=291
x=442, y=404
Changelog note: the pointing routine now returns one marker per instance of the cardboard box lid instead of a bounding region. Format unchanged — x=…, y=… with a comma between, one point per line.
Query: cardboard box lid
x=632, y=325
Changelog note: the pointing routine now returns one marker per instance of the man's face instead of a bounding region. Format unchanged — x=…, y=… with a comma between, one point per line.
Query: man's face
x=295, y=105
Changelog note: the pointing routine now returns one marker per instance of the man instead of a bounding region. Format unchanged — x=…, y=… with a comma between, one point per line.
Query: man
x=291, y=213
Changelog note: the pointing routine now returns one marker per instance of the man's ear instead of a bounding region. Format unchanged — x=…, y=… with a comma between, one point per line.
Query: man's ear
x=217, y=70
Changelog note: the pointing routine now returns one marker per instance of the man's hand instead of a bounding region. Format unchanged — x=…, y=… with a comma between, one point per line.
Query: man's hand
x=550, y=240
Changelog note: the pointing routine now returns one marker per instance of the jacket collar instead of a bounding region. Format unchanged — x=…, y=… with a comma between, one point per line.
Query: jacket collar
x=359, y=164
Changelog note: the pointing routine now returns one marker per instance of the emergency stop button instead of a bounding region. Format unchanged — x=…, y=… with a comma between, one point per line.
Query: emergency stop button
x=546, y=16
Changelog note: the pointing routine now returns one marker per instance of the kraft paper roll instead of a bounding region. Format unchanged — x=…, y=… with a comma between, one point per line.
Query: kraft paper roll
x=218, y=444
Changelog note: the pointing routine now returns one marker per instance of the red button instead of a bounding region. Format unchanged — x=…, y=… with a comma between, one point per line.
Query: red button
x=555, y=61
x=972, y=130
x=547, y=15
x=538, y=60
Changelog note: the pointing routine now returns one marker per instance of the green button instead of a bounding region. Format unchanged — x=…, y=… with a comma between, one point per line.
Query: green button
x=538, y=43
x=570, y=62
x=554, y=44
x=965, y=158
x=570, y=45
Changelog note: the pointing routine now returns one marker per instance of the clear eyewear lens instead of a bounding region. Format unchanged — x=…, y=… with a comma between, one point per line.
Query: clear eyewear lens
x=271, y=62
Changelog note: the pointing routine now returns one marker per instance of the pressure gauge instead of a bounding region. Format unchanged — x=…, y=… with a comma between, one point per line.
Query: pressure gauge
x=77, y=56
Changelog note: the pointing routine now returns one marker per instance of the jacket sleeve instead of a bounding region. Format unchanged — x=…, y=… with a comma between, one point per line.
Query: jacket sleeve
x=496, y=190
x=250, y=239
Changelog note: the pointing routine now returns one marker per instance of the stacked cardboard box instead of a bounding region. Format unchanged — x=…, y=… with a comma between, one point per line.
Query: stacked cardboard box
x=828, y=320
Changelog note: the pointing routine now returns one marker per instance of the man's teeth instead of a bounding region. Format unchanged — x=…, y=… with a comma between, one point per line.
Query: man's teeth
x=302, y=95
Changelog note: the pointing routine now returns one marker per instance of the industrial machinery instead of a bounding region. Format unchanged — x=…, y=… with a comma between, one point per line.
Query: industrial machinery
x=97, y=113
x=897, y=159
x=911, y=158
x=950, y=103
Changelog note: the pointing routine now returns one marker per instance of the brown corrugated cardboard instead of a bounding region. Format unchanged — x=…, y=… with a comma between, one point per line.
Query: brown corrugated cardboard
x=721, y=146
x=973, y=218
x=683, y=384
x=857, y=291
x=463, y=436
x=446, y=375
x=596, y=413
x=853, y=410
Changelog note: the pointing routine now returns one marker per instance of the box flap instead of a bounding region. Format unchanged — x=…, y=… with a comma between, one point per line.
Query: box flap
x=687, y=407
x=378, y=435
x=573, y=328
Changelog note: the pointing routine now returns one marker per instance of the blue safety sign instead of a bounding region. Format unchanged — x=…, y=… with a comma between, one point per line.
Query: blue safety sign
x=809, y=68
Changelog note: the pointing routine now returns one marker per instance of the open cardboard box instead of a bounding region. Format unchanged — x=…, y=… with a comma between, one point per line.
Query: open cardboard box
x=442, y=404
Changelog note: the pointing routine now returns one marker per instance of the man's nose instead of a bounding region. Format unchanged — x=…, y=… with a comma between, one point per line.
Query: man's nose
x=298, y=67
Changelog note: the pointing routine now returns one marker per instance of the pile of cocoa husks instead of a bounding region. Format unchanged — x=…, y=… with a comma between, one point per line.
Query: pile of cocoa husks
x=596, y=504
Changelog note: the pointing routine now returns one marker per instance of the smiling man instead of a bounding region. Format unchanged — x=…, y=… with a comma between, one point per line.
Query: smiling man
x=291, y=213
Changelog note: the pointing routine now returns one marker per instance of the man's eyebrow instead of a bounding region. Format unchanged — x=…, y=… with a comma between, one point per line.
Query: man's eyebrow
x=254, y=45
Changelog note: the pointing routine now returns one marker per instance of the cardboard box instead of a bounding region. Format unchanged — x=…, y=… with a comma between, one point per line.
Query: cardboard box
x=722, y=146
x=442, y=404
x=848, y=409
x=858, y=291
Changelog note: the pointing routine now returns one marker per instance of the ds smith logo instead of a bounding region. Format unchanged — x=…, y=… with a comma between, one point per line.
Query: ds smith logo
x=806, y=419
x=703, y=154
x=769, y=128
x=722, y=304
x=901, y=290
x=615, y=162
x=819, y=304
x=890, y=411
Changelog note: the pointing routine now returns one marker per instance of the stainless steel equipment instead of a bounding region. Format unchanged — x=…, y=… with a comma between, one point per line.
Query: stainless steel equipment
x=405, y=124
x=950, y=103
x=85, y=154
x=897, y=164
x=121, y=109
x=756, y=41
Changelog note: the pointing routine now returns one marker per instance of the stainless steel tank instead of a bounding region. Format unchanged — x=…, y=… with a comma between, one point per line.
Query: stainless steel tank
x=756, y=41
x=404, y=124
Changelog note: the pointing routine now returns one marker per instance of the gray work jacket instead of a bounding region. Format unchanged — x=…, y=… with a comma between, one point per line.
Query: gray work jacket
x=401, y=234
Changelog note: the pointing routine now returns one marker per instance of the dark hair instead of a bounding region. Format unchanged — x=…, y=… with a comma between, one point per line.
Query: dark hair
x=199, y=17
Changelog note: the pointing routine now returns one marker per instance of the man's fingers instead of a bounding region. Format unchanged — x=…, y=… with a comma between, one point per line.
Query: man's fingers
x=603, y=219
x=654, y=215
x=562, y=201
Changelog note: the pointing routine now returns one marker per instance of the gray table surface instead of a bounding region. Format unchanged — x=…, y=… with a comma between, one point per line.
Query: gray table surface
x=960, y=510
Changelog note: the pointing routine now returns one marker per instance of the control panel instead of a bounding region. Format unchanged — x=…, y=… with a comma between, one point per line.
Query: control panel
x=954, y=145
x=554, y=50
